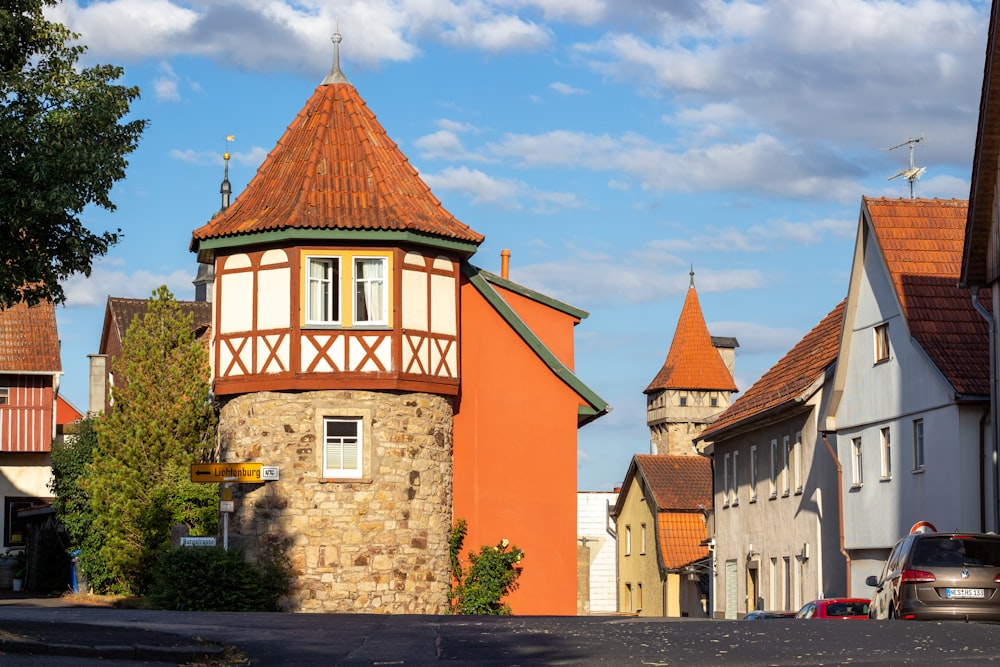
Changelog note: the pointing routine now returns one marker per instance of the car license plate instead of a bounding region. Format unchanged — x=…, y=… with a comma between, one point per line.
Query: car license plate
x=964, y=593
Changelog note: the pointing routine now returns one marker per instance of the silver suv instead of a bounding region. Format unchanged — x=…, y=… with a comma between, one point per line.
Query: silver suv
x=940, y=576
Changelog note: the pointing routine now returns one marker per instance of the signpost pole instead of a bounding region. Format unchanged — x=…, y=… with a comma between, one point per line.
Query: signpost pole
x=225, y=515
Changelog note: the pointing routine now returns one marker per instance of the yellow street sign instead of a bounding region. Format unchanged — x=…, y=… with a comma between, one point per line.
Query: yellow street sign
x=227, y=472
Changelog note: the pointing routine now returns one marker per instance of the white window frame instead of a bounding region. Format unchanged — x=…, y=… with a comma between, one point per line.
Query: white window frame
x=341, y=471
x=918, y=445
x=642, y=540
x=374, y=289
x=328, y=287
x=628, y=540
x=797, y=463
x=885, y=436
x=753, y=473
x=736, y=479
x=882, y=348
x=774, y=468
x=857, y=462
x=785, y=461
x=725, y=480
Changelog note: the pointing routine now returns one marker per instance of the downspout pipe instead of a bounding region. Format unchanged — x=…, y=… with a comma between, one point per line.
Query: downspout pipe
x=991, y=323
x=840, y=510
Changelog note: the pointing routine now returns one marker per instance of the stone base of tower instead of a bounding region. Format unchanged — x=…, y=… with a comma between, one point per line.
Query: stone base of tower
x=376, y=544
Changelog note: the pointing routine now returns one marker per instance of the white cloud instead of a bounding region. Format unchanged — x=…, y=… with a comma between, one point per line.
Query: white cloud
x=566, y=89
x=104, y=279
x=477, y=185
x=165, y=86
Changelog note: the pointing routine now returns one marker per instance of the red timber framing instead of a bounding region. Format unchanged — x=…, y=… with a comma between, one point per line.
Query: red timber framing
x=27, y=419
x=303, y=357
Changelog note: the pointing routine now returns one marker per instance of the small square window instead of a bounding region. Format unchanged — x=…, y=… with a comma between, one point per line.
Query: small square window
x=4, y=395
x=342, y=447
x=683, y=401
x=15, y=529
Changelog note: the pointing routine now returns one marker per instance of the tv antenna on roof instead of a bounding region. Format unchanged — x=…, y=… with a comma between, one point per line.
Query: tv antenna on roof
x=912, y=173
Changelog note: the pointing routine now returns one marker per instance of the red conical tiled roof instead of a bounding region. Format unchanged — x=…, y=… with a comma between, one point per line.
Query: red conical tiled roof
x=693, y=362
x=336, y=168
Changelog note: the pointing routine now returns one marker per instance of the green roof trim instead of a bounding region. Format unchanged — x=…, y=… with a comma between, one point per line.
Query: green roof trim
x=596, y=406
x=534, y=296
x=392, y=237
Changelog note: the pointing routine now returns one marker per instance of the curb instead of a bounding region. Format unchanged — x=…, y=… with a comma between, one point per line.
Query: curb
x=174, y=654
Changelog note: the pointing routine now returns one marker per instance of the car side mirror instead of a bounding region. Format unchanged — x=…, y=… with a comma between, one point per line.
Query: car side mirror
x=872, y=580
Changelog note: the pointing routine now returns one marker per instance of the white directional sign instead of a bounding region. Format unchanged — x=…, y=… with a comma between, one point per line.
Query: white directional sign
x=269, y=473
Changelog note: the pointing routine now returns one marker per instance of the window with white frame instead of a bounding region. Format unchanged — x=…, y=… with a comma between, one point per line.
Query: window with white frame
x=797, y=462
x=725, y=480
x=4, y=395
x=857, y=463
x=642, y=540
x=774, y=468
x=886, y=454
x=342, y=447
x=370, y=297
x=628, y=540
x=735, y=478
x=918, y=444
x=323, y=290
x=882, y=342
x=785, y=462
x=753, y=473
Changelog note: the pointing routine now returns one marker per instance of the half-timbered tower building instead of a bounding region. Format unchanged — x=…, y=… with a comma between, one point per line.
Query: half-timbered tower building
x=337, y=349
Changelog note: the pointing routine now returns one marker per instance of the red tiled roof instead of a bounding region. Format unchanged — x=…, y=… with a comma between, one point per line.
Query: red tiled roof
x=680, y=536
x=692, y=362
x=677, y=482
x=29, y=340
x=788, y=378
x=922, y=242
x=335, y=168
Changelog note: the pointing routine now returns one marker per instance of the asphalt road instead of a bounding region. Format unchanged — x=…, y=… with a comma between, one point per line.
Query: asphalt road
x=349, y=639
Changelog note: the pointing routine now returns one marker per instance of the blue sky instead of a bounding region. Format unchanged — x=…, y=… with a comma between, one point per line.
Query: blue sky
x=609, y=144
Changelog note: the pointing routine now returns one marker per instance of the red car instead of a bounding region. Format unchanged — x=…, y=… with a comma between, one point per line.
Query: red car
x=834, y=608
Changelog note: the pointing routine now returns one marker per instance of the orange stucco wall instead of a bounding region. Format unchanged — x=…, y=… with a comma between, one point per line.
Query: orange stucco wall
x=515, y=451
x=556, y=329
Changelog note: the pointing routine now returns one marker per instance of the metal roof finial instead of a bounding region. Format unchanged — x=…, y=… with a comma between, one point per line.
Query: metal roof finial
x=692, y=275
x=226, y=190
x=335, y=75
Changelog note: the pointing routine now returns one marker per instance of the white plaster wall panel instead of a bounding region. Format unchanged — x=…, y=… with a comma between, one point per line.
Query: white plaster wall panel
x=415, y=348
x=273, y=353
x=227, y=354
x=414, y=300
x=274, y=291
x=238, y=261
x=380, y=349
x=443, y=308
x=311, y=350
x=443, y=264
x=414, y=258
x=235, y=302
x=275, y=256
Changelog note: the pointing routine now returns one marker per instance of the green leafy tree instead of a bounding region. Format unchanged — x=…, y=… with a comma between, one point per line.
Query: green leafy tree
x=491, y=574
x=63, y=145
x=162, y=421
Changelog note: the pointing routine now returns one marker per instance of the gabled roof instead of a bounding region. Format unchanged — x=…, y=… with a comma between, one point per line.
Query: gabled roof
x=789, y=381
x=922, y=243
x=692, y=362
x=680, y=488
x=978, y=256
x=592, y=406
x=121, y=311
x=336, y=170
x=29, y=340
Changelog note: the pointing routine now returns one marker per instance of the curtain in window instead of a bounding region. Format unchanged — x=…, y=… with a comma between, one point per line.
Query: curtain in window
x=369, y=290
x=320, y=285
x=342, y=445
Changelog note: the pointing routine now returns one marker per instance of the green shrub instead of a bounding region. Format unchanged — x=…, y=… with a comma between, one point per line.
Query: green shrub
x=205, y=579
x=491, y=574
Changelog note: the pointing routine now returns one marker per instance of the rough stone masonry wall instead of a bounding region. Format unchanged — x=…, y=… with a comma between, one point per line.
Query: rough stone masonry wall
x=377, y=545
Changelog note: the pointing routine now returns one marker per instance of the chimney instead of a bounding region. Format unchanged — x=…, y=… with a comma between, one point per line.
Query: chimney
x=505, y=264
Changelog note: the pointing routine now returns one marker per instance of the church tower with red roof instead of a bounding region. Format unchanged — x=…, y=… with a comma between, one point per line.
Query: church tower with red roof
x=695, y=383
